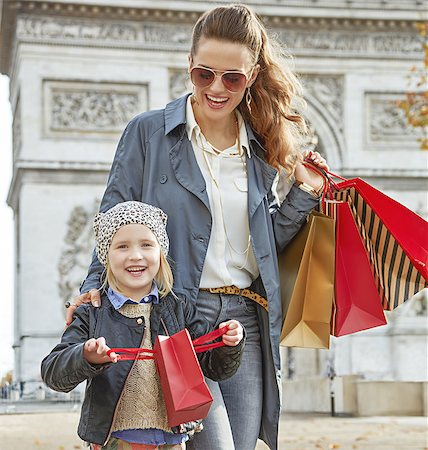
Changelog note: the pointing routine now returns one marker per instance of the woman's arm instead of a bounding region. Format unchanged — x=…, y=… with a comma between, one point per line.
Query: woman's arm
x=291, y=215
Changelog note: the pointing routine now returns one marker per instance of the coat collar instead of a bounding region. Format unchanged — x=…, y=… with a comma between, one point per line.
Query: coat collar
x=175, y=113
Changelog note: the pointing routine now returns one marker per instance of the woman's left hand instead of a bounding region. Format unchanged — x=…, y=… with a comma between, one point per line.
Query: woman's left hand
x=234, y=334
x=304, y=175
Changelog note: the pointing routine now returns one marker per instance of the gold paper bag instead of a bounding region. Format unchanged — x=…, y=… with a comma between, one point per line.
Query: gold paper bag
x=306, y=268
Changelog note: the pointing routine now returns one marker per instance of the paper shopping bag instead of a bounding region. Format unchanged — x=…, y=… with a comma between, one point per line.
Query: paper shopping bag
x=395, y=238
x=307, y=279
x=357, y=305
x=186, y=393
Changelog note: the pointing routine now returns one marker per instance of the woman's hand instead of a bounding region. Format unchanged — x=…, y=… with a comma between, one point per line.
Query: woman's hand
x=93, y=296
x=304, y=175
x=234, y=334
x=95, y=352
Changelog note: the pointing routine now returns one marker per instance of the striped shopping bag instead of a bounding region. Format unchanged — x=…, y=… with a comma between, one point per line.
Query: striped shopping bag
x=395, y=238
x=376, y=232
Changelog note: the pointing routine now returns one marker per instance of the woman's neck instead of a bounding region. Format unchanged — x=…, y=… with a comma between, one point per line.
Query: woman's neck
x=221, y=134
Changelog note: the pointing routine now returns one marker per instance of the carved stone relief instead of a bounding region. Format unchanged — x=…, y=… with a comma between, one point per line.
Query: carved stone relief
x=94, y=108
x=71, y=29
x=160, y=35
x=179, y=83
x=325, y=98
x=76, y=253
x=347, y=43
x=328, y=92
x=387, y=123
x=312, y=141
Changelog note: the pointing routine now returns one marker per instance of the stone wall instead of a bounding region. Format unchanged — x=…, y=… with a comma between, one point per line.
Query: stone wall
x=79, y=72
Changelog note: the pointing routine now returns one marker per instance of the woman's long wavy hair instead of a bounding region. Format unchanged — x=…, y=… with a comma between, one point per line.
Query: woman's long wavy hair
x=275, y=93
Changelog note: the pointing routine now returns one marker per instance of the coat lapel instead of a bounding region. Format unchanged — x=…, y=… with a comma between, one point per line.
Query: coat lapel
x=187, y=171
x=182, y=156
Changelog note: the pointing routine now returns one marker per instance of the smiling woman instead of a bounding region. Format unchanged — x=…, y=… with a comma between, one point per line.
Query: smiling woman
x=7, y=236
x=212, y=160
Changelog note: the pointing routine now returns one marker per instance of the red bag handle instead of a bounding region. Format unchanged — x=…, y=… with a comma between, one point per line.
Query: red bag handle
x=209, y=337
x=131, y=354
x=329, y=183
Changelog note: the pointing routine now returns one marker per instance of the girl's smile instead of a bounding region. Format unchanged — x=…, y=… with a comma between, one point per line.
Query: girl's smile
x=134, y=260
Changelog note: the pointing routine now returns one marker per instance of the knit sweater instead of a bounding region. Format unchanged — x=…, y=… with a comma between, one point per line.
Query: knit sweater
x=141, y=404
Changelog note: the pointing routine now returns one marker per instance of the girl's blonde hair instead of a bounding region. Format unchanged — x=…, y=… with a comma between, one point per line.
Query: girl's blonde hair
x=164, y=279
x=276, y=88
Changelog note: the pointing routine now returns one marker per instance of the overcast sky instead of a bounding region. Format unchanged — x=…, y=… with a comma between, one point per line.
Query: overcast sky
x=6, y=222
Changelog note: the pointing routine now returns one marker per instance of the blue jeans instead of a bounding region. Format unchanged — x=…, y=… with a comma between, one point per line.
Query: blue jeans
x=233, y=422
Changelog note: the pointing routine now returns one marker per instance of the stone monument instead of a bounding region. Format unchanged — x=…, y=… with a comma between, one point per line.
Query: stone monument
x=79, y=70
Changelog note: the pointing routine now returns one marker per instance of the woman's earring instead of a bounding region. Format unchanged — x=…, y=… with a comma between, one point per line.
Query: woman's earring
x=194, y=98
x=248, y=99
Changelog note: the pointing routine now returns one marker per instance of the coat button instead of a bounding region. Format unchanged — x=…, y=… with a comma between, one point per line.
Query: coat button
x=163, y=179
x=139, y=321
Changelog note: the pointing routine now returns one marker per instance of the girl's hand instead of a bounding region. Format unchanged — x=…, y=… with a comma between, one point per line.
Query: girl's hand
x=305, y=175
x=92, y=296
x=95, y=352
x=234, y=334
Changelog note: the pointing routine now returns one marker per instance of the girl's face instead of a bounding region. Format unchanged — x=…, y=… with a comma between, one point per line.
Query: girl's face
x=216, y=101
x=134, y=259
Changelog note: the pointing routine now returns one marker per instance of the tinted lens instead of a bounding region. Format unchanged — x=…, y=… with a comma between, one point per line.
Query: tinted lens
x=234, y=81
x=201, y=77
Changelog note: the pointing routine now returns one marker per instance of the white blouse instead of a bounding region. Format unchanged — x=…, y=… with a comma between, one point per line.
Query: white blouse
x=230, y=258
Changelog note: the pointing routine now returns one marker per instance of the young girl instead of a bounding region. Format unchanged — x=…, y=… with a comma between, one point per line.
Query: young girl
x=124, y=407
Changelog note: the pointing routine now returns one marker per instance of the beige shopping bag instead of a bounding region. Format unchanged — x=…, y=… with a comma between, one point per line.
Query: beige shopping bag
x=306, y=269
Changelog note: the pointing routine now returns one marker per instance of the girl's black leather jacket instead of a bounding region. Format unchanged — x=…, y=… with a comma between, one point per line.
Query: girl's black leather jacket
x=64, y=368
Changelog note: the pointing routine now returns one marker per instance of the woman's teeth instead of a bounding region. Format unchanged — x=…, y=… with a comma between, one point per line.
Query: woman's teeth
x=217, y=99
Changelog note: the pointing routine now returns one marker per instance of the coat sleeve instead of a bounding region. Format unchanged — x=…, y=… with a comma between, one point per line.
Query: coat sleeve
x=65, y=367
x=219, y=363
x=124, y=184
x=291, y=215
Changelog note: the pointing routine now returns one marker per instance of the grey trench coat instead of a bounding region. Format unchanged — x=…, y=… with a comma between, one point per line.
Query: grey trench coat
x=155, y=163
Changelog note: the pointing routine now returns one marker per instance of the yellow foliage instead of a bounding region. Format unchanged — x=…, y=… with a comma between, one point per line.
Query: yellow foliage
x=415, y=106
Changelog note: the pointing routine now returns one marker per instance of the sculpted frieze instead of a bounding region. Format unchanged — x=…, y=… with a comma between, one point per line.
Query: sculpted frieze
x=76, y=250
x=327, y=91
x=179, y=83
x=386, y=122
x=170, y=35
x=91, y=107
x=57, y=28
x=384, y=43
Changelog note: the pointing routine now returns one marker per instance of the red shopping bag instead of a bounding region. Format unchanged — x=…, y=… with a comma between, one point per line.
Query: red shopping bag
x=185, y=391
x=186, y=394
x=395, y=238
x=356, y=304
x=392, y=238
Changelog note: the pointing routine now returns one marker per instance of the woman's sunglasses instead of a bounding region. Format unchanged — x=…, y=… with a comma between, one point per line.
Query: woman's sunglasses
x=233, y=81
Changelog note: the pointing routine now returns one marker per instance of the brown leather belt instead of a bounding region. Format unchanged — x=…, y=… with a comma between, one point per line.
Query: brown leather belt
x=237, y=291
